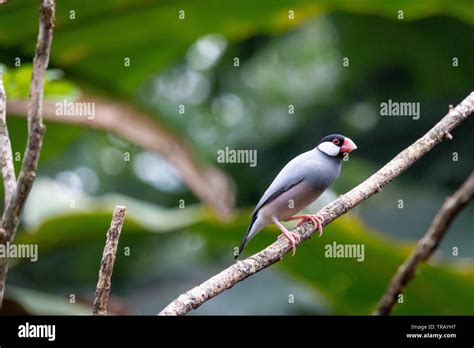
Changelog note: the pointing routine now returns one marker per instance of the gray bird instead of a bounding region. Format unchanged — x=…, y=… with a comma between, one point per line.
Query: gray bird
x=297, y=185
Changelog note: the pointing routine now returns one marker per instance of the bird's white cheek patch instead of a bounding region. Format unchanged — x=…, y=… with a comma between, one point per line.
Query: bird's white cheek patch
x=329, y=148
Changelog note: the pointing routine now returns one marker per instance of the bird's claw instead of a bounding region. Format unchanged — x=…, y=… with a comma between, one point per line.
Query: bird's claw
x=293, y=238
x=315, y=219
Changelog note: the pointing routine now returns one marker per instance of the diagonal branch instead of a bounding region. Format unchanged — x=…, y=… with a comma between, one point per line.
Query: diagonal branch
x=12, y=212
x=374, y=184
x=107, y=263
x=6, y=156
x=209, y=184
x=426, y=245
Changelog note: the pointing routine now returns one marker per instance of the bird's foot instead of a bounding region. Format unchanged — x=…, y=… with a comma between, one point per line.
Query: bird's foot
x=315, y=219
x=290, y=235
x=293, y=237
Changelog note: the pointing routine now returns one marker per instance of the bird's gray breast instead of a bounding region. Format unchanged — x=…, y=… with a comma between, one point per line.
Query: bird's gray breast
x=322, y=172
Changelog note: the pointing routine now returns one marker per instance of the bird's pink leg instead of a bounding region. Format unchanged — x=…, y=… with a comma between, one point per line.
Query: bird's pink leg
x=293, y=237
x=315, y=219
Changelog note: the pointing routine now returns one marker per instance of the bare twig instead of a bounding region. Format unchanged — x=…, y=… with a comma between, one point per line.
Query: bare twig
x=6, y=156
x=275, y=252
x=13, y=209
x=12, y=213
x=107, y=263
x=426, y=245
x=209, y=184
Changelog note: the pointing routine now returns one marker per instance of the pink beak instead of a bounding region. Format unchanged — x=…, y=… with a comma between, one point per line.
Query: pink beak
x=348, y=146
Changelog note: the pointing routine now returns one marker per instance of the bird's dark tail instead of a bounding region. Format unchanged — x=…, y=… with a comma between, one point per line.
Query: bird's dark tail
x=247, y=236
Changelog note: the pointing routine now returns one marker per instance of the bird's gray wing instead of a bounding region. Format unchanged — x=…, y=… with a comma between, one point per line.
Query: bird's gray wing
x=269, y=196
x=291, y=175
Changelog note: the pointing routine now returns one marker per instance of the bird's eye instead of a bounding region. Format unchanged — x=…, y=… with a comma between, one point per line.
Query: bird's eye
x=336, y=141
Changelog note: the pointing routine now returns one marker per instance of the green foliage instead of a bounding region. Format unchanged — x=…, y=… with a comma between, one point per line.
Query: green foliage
x=60, y=136
x=103, y=32
x=17, y=84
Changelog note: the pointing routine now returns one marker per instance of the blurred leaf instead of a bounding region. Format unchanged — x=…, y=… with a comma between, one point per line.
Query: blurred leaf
x=110, y=22
x=17, y=84
x=59, y=136
x=57, y=139
x=36, y=303
x=54, y=223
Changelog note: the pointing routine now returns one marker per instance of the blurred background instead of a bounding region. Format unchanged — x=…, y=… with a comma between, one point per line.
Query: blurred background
x=172, y=83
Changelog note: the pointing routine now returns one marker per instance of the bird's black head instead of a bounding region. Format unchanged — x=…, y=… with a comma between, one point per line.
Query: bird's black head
x=336, y=145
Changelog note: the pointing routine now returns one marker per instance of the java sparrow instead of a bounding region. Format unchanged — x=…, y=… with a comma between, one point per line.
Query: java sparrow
x=297, y=185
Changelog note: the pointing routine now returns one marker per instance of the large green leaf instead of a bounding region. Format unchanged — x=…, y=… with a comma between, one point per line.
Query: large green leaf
x=94, y=44
x=158, y=36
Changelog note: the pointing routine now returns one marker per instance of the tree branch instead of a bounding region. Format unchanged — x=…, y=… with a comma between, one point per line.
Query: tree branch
x=374, y=184
x=13, y=209
x=426, y=245
x=6, y=156
x=209, y=184
x=107, y=263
